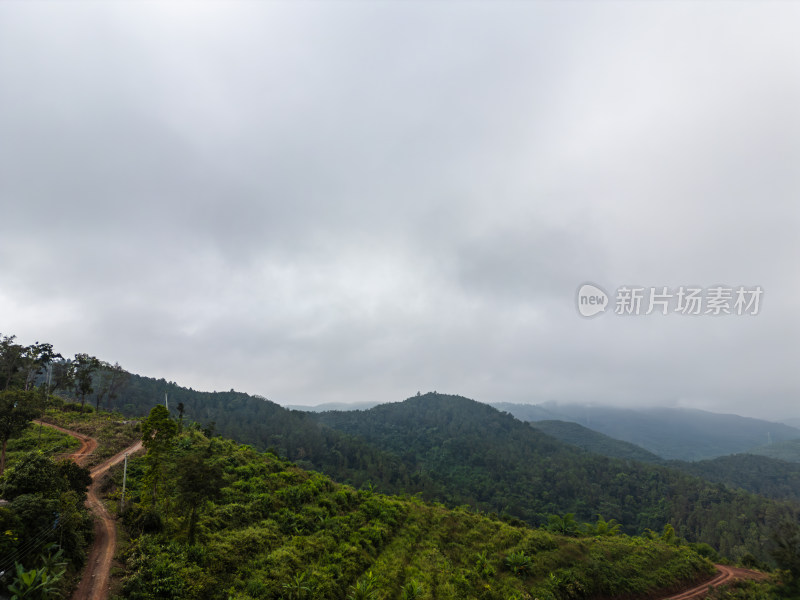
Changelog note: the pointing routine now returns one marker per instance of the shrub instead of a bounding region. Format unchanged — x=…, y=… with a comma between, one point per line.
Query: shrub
x=518, y=563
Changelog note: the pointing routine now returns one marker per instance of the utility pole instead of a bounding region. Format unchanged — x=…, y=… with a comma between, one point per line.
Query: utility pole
x=124, y=480
x=165, y=401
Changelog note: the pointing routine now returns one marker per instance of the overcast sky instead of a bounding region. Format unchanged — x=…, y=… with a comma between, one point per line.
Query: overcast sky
x=354, y=201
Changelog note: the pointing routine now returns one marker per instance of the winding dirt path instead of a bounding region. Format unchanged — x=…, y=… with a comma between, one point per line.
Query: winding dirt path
x=94, y=583
x=88, y=444
x=724, y=575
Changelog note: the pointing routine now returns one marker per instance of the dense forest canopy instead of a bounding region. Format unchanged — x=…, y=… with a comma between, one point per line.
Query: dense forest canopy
x=445, y=448
x=459, y=451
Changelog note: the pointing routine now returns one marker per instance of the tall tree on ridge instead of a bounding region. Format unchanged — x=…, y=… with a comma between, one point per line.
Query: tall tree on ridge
x=83, y=369
x=35, y=358
x=111, y=380
x=10, y=361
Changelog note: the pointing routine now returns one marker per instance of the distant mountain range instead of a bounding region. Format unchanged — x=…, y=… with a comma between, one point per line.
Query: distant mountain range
x=671, y=433
x=648, y=434
x=794, y=422
x=769, y=477
x=333, y=406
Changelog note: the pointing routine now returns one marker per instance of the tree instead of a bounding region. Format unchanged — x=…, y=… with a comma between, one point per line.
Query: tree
x=82, y=373
x=20, y=365
x=33, y=474
x=180, y=417
x=787, y=554
x=198, y=483
x=62, y=376
x=78, y=478
x=566, y=525
x=34, y=359
x=602, y=527
x=158, y=433
x=10, y=361
x=17, y=409
x=158, y=430
x=669, y=536
x=110, y=381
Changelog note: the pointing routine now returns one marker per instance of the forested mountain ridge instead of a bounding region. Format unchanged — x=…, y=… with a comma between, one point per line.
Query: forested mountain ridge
x=208, y=518
x=450, y=448
x=228, y=522
x=460, y=451
x=788, y=450
x=327, y=406
x=768, y=477
x=594, y=441
x=266, y=425
x=493, y=461
x=671, y=433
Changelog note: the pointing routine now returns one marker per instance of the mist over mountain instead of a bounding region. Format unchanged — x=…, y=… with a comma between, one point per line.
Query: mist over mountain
x=763, y=475
x=332, y=406
x=793, y=422
x=671, y=433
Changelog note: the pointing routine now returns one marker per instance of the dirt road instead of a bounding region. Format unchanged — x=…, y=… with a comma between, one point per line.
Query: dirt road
x=94, y=583
x=88, y=444
x=724, y=575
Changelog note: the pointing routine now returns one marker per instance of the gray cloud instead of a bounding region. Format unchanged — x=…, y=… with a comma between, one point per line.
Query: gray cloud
x=321, y=202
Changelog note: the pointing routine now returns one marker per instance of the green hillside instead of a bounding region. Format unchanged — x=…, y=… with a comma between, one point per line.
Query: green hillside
x=458, y=451
x=269, y=530
x=490, y=460
x=593, y=441
x=295, y=435
x=208, y=518
x=43, y=518
x=44, y=440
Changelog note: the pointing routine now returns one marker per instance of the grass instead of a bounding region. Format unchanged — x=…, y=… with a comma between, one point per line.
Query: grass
x=112, y=431
x=49, y=441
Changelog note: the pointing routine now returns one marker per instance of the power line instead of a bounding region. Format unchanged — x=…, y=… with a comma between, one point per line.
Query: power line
x=27, y=547
x=31, y=544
